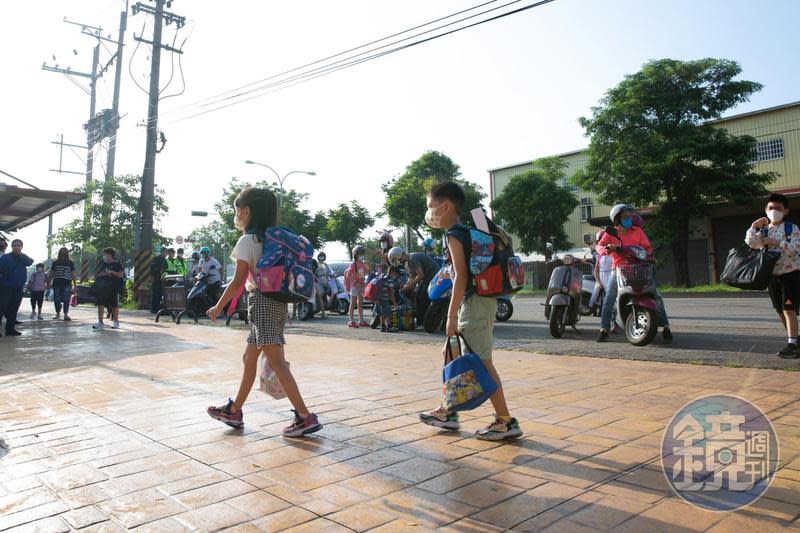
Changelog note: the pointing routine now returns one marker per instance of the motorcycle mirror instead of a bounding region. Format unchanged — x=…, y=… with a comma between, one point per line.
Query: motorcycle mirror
x=549, y=246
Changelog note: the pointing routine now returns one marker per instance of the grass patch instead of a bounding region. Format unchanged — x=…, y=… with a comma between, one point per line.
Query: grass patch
x=716, y=287
x=732, y=364
x=698, y=362
x=792, y=369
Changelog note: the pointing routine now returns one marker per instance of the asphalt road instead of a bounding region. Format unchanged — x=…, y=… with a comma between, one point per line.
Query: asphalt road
x=730, y=331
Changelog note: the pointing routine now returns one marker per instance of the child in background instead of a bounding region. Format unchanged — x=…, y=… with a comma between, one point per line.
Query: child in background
x=388, y=299
x=256, y=210
x=355, y=277
x=36, y=285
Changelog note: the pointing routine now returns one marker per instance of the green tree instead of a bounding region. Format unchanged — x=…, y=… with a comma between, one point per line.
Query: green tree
x=291, y=214
x=214, y=235
x=652, y=143
x=405, y=202
x=346, y=223
x=123, y=195
x=535, y=206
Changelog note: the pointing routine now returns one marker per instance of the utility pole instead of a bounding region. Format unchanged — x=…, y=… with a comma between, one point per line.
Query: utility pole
x=61, y=144
x=144, y=241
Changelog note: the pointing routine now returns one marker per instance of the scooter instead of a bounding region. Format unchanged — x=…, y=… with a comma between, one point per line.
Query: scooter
x=636, y=295
x=439, y=290
x=562, y=306
x=340, y=302
x=198, y=300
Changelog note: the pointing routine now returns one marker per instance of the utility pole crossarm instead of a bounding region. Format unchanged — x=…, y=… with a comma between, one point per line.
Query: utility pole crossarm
x=151, y=43
x=67, y=71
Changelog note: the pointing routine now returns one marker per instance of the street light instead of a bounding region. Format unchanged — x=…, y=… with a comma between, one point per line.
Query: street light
x=278, y=176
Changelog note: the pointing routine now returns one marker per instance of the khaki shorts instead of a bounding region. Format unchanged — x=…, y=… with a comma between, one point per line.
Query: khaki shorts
x=476, y=324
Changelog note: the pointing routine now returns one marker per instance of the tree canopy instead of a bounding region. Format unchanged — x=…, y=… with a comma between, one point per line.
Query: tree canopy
x=346, y=223
x=405, y=202
x=534, y=206
x=653, y=142
x=122, y=194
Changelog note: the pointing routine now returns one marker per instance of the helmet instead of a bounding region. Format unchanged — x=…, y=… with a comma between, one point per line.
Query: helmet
x=386, y=236
x=357, y=249
x=321, y=256
x=618, y=209
x=205, y=250
x=395, y=255
x=428, y=244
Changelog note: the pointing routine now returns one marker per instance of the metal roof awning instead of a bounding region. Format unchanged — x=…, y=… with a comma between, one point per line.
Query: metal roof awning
x=21, y=207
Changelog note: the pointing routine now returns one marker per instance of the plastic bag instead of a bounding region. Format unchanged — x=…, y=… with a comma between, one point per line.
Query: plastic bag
x=268, y=379
x=73, y=300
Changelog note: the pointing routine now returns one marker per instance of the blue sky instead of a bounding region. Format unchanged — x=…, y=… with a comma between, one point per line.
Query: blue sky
x=504, y=92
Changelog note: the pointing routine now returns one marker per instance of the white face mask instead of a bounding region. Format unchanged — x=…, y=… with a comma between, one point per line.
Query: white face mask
x=433, y=218
x=384, y=245
x=775, y=216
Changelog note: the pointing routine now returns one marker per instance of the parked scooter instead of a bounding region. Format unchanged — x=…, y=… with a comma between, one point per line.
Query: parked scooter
x=198, y=301
x=339, y=302
x=636, y=295
x=562, y=306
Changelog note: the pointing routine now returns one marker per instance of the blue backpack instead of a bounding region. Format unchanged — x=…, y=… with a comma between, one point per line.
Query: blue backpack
x=284, y=272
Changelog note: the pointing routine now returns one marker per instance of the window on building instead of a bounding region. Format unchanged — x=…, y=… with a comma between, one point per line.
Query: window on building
x=769, y=150
x=567, y=185
x=586, y=209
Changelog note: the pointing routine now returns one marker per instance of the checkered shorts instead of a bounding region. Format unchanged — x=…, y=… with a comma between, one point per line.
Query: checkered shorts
x=267, y=318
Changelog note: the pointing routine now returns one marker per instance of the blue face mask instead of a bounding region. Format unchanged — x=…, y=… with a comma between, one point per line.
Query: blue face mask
x=627, y=223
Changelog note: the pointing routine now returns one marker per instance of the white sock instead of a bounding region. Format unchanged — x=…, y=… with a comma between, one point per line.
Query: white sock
x=792, y=340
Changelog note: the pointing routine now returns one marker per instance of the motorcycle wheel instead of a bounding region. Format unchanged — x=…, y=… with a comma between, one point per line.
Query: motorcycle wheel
x=435, y=315
x=557, y=316
x=641, y=326
x=305, y=311
x=342, y=306
x=504, y=310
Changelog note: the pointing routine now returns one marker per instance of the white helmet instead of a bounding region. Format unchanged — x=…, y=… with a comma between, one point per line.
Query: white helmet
x=395, y=255
x=619, y=208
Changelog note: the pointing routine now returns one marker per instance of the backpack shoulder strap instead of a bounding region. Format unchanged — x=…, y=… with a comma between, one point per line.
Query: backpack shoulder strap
x=788, y=229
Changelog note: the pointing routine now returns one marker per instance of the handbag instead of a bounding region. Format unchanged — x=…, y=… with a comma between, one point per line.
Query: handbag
x=750, y=269
x=268, y=380
x=466, y=383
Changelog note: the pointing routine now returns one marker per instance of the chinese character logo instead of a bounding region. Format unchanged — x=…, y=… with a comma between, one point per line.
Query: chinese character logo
x=719, y=453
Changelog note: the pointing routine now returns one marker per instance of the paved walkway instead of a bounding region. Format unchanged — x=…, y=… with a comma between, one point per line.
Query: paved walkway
x=106, y=431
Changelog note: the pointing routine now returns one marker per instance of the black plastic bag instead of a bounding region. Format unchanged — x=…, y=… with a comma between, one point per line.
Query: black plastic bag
x=748, y=268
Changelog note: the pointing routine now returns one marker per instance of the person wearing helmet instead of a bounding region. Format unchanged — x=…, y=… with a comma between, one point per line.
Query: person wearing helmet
x=421, y=268
x=428, y=246
x=194, y=264
x=213, y=271
x=386, y=242
x=324, y=274
x=355, y=280
x=622, y=216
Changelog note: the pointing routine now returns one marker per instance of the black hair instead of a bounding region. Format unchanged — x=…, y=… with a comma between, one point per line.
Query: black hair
x=39, y=265
x=449, y=190
x=775, y=197
x=180, y=250
x=16, y=240
x=263, y=209
x=110, y=251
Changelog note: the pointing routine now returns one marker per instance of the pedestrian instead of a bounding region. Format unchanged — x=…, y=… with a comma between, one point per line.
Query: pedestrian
x=388, y=298
x=194, y=264
x=36, y=286
x=13, y=274
x=422, y=268
x=213, y=271
x=110, y=277
x=256, y=210
x=324, y=275
x=62, y=278
x=157, y=269
x=773, y=233
x=469, y=315
x=355, y=279
x=622, y=216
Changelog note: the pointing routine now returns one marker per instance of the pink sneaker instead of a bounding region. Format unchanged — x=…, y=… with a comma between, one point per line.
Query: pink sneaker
x=225, y=415
x=302, y=426
x=352, y=324
x=363, y=324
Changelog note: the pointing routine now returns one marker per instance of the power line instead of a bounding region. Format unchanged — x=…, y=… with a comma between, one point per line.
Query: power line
x=193, y=104
x=351, y=62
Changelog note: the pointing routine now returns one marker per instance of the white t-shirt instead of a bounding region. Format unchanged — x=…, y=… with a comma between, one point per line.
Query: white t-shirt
x=248, y=249
x=214, y=274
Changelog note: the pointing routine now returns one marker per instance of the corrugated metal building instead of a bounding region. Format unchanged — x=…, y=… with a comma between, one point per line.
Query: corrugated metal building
x=777, y=130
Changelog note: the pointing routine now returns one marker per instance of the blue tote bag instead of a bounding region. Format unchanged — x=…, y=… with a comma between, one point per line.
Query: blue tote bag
x=466, y=383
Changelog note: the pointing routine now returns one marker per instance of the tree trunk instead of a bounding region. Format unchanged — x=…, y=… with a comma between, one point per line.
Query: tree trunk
x=680, y=253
